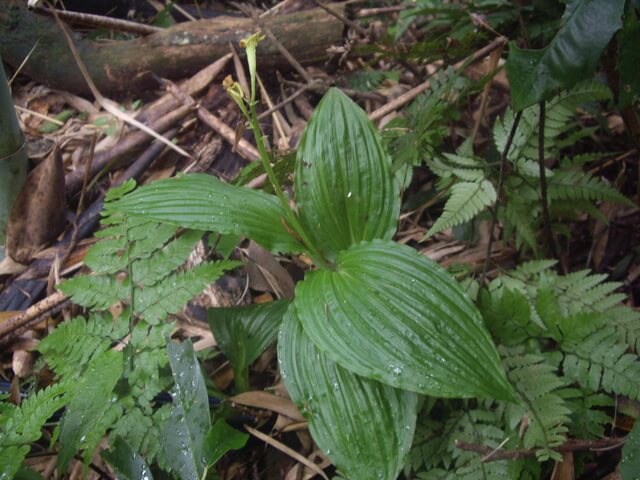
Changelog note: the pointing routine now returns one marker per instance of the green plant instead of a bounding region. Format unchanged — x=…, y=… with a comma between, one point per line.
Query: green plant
x=472, y=183
x=135, y=264
x=376, y=322
x=566, y=342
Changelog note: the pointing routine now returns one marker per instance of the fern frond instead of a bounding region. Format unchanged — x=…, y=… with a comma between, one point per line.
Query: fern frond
x=26, y=421
x=467, y=199
x=95, y=291
x=537, y=383
x=577, y=185
x=171, y=293
x=72, y=345
x=588, y=417
x=601, y=362
x=520, y=219
x=143, y=431
x=22, y=426
x=559, y=111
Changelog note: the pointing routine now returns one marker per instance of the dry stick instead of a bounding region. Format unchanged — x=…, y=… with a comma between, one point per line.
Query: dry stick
x=493, y=65
x=105, y=22
x=546, y=219
x=503, y=167
x=415, y=91
x=342, y=18
x=30, y=313
x=286, y=450
x=372, y=12
x=243, y=147
x=284, y=102
x=105, y=103
x=571, y=445
x=133, y=140
x=192, y=86
x=13, y=335
x=272, y=38
x=280, y=123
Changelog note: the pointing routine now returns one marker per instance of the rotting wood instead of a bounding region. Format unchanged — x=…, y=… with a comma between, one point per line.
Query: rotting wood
x=172, y=53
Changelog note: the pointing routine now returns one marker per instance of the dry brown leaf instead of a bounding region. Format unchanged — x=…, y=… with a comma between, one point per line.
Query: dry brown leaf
x=266, y=274
x=564, y=470
x=38, y=214
x=269, y=401
x=22, y=363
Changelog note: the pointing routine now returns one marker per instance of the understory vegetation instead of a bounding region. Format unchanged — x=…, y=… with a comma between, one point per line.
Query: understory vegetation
x=400, y=367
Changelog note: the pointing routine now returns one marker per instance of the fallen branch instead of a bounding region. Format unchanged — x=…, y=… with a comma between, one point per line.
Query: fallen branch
x=175, y=52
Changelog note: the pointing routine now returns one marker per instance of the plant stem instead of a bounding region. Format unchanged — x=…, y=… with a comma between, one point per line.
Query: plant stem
x=543, y=183
x=241, y=380
x=290, y=216
x=503, y=167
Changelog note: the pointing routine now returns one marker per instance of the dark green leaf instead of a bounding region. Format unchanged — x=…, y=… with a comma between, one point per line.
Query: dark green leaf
x=243, y=333
x=185, y=430
x=220, y=439
x=26, y=473
x=390, y=314
x=587, y=27
x=363, y=426
x=127, y=464
x=90, y=404
x=630, y=463
x=628, y=61
x=203, y=202
x=344, y=186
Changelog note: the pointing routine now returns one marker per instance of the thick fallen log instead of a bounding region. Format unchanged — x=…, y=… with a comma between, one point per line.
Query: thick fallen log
x=175, y=52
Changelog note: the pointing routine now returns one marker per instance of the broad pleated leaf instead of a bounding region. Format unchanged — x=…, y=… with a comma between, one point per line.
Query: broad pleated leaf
x=186, y=429
x=243, y=333
x=587, y=27
x=344, y=187
x=391, y=314
x=126, y=462
x=203, y=202
x=629, y=59
x=630, y=463
x=363, y=426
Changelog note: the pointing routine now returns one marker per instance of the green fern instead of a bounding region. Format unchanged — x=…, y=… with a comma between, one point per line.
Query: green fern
x=470, y=181
x=558, y=113
x=70, y=347
x=547, y=414
x=136, y=263
x=21, y=426
x=467, y=200
x=601, y=362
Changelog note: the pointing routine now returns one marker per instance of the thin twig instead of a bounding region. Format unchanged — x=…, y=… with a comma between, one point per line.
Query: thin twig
x=546, y=219
x=286, y=450
x=503, y=167
x=104, y=22
x=30, y=313
x=362, y=31
x=408, y=96
x=571, y=445
x=286, y=101
x=244, y=148
x=484, y=100
x=372, y=12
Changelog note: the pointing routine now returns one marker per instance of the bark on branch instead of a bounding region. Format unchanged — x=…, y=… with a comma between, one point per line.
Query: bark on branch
x=175, y=52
